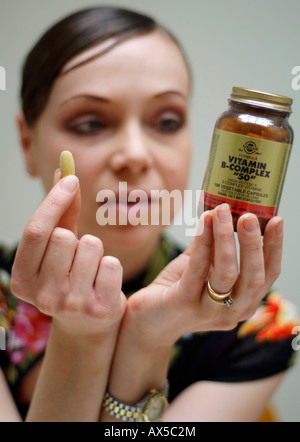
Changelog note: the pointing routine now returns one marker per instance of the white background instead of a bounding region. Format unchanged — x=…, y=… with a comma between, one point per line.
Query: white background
x=229, y=43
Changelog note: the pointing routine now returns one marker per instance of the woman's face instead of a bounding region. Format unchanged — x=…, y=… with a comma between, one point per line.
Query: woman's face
x=124, y=118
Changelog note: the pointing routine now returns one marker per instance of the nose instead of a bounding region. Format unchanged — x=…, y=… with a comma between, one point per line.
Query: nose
x=133, y=154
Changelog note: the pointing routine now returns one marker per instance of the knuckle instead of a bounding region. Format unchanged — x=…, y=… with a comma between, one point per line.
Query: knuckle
x=34, y=232
x=254, y=247
x=59, y=234
x=21, y=284
x=274, y=273
x=44, y=304
x=226, y=237
x=16, y=285
x=71, y=304
x=227, y=255
x=111, y=263
x=93, y=309
x=229, y=277
x=54, y=201
x=256, y=285
x=92, y=242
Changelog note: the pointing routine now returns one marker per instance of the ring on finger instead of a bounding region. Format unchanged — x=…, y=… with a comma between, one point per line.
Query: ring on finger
x=219, y=298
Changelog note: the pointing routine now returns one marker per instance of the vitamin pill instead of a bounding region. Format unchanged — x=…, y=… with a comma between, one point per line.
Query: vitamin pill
x=67, y=164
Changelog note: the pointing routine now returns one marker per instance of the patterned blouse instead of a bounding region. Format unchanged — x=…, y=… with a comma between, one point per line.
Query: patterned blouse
x=257, y=348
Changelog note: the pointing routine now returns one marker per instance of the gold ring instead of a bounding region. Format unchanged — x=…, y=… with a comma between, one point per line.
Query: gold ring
x=219, y=298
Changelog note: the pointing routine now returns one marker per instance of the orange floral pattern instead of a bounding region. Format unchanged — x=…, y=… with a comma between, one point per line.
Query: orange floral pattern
x=273, y=321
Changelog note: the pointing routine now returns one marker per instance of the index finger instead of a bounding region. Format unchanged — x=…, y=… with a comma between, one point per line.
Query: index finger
x=41, y=225
x=195, y=274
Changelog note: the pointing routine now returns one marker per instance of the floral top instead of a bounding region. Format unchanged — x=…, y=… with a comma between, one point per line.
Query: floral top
x=257, y=348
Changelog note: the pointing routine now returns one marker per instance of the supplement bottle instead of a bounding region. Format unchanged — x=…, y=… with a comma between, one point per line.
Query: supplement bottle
x=249, y=155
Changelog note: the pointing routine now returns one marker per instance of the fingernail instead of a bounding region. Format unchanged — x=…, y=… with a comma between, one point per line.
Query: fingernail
x=250, y=223
x=70, y=183
x=223, y=213
x=56, y=176
x=279, y=227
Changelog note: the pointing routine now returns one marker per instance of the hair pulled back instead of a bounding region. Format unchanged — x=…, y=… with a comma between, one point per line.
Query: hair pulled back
x=68, y=38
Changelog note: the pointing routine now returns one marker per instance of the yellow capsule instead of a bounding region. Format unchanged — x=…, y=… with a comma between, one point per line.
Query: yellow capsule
x=67, y=164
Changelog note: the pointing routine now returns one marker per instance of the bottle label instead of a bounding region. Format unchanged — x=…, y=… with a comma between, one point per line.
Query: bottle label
x=246, y=172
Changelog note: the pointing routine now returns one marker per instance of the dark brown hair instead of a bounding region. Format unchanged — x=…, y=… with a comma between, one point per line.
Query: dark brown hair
x=68, y=38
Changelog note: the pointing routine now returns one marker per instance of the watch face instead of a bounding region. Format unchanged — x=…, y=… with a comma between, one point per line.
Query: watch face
x=155, y=408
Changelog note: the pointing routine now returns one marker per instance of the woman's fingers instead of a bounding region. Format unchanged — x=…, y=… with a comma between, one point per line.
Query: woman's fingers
x=59, y=256
x=225, y=267
x=95, y=280
x=200, y=254
x=53, y=282
x=250, y=285
x=69, y=219
x=272, y=249
x=40, y=227
x=108, y=284
x=86, y=264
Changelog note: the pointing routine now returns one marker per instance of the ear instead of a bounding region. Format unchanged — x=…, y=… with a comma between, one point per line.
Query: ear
x=25, y=137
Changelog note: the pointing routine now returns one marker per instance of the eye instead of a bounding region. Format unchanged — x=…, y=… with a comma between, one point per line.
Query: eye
x=88, y=125
x=169, y=123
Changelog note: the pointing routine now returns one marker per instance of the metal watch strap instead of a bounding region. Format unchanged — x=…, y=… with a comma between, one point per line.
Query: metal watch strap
x=122, y=411
x=129, y=413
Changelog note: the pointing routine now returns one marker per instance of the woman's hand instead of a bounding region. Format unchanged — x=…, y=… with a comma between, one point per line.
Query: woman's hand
x=69, y=279
x=63, y=276
x=177, y=302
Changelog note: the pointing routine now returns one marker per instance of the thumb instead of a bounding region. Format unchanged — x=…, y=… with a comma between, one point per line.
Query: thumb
x=69, y=219
x=196, y=272
x=194, y=262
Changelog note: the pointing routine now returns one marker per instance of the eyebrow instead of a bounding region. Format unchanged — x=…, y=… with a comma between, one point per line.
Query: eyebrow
x=170, y=92
x=86, y=96
x=106, y=100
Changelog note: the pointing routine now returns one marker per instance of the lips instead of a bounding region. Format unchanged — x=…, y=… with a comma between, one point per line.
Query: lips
x=134, y=196
x=130, y=197
x=127, y=203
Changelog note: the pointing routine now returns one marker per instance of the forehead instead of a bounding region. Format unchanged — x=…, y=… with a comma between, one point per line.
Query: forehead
x=147, y=64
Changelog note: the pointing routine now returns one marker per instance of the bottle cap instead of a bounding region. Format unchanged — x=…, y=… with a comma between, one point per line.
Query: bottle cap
x=262, y=99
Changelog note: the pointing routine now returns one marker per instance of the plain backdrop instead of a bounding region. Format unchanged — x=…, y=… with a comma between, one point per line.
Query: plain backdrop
x=248, y=43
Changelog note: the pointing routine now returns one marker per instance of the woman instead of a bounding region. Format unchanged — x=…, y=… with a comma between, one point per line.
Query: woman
x=113, y=87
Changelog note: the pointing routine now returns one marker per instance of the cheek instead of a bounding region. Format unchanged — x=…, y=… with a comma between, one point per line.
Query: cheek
x=175, y=169
x=46, y=157
x=92, y=172
x=88, y=190
x=89, y=163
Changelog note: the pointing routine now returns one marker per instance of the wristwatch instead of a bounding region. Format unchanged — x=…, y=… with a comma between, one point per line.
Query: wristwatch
x=150, y=409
